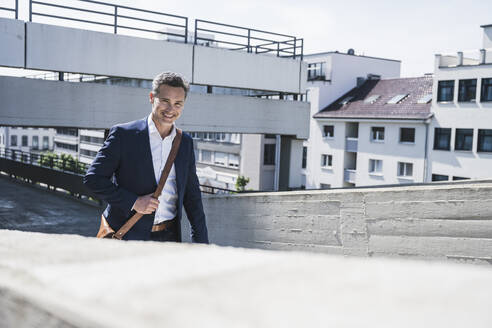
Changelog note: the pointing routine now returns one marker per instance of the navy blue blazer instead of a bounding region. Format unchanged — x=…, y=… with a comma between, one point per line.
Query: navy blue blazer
x=123, y=170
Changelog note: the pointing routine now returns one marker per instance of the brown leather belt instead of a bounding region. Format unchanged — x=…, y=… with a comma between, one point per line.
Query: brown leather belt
x=163, y=225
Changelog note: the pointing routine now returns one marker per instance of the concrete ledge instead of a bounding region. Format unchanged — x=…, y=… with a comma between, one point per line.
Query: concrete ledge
x=93, y=105
x=63, y=280
x=447, y=221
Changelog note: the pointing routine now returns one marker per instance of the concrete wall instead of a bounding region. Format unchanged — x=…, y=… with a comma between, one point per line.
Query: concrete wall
x=90, y=105
x=222, y=67
x=66, y=49
x=450, y=221
x=12, y=42
x=73, y=50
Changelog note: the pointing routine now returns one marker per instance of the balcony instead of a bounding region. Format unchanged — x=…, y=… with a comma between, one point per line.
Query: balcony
x=351, y=144
x=465, y=58
x=349, y=175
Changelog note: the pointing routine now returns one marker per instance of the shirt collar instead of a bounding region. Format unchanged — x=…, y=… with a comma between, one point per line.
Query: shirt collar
x=153, y=129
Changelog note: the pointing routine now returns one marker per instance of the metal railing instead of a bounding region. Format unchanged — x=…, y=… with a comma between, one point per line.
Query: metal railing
x=111, y=15
x=14, y=9
x=251, y=40
x=67, y=77
x=44, y=160
x=215, y=190
x=65, y=166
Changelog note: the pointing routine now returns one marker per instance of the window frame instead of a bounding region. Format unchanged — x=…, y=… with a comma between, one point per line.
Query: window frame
x=441, y=134
x=435, y=178
x=440, y=86
x=327, y=136
x=269, y=154
x=481, y=138
x=326, y=161
x=463, y=91
x=373, y=135
x=457, y=139
x=401, y=134
x=372, y=164
x=405, y=174
x=485, y=84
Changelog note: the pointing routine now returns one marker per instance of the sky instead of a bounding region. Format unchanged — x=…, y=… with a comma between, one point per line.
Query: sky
x=410, y=31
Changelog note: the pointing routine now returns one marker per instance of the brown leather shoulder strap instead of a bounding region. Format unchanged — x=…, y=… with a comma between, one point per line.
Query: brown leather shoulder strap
x=162, y=181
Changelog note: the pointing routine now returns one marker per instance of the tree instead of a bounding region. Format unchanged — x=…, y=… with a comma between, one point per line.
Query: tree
x=241, y=182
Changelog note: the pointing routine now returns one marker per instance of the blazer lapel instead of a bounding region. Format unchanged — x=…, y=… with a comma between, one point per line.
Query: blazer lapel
x=180, y=167
x=146, y=159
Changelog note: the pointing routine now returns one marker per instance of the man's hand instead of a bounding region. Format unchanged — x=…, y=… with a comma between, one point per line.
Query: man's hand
x=146, y=204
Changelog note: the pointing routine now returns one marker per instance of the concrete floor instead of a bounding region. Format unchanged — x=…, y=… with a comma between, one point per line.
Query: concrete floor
x=51, y=280
x=27, y=208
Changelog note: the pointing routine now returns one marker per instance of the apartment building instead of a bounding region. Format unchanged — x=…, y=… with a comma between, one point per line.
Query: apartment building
x=27, y=139
x=374, y=134
x=460, y=144
x=330, y=76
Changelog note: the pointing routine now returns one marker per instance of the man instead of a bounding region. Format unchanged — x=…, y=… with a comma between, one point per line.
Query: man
x=135, y=153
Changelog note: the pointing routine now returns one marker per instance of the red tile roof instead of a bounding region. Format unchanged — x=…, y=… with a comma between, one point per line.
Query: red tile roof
x=408, y=108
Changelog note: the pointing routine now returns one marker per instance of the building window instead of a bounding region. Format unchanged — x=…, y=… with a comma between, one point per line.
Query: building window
x=463, y=139
x=326, y=161
x=324, y=186
x=206, y=156
x=24, y=141
x=407, y=135
x=456, y=178
x=269, y=154
x=67, y=131
x=208, y=136
x=35, y=142
x=467, y=91
x=304, y=157
x=92, y=140
x=484, y=141
x=328, y=131
x=220, y=137
x=235, y=138
x=405, y=169
x=377, y=133
x=442, y=138
x=66, y=146
x=439, y=177
x=46, y=142
x=375, y=166
x=486, y=90
x=88, y=153
x=13, y=141
x=195, y=135
x=220, y=158
x=445, y=90
x=233, y=160
x=316, y=71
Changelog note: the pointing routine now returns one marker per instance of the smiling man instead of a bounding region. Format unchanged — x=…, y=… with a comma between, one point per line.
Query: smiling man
x=127, y=170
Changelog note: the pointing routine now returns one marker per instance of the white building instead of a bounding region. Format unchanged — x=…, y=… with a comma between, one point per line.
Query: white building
x=374, y=134
x=90, y=143
x=460, y=143
x=330, y=75
x=27, y=139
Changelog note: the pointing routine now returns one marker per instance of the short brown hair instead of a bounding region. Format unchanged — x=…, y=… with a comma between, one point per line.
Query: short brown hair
x=172, y=79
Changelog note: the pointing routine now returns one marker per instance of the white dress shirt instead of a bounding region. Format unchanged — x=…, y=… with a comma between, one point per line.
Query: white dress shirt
x=160, y=149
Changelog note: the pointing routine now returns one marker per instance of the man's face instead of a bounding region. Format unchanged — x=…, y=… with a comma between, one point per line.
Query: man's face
x=167, y=104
